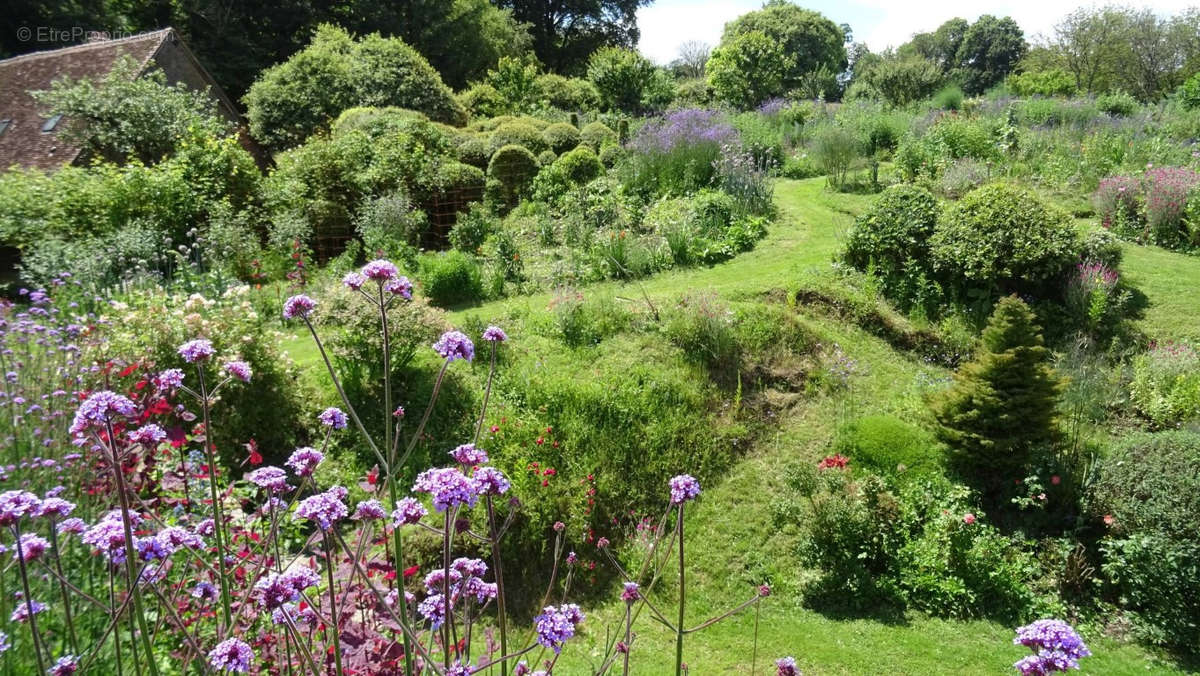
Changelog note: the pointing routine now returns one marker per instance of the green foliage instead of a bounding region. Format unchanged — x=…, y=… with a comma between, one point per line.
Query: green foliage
x=293, y=99
x=391, y=224
x=580, y=166
x=597, y=135
x=1002, y=406
x=1117, y=104
x=482, y=100
x=1149, y=488
x=703, y=328
x=812, y=41
x=565, y=93
x=516, y=81
x=891, y=240
x=451, y=278
x=1189, y=93
x=476, y=151
x=990, y=50
x=1049, y=82
x=518, y=133
x=125, y=115
x=472, y=228
x=835, y=150
x=948, y=98
x=888, y=445
x=561, y=137
x=1165, y=388
x=1000, y=239
x=748, y=70
x=510, y=174
x=622, y=77
x=901, y=81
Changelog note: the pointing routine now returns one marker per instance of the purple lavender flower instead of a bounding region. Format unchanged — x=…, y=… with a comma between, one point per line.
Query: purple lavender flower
x=333, y=417
x=1055, y=646
x=196, y=350
x=455, y=345
x=557, y=624
x=231, y=655
x=65, y=666
x=786, y=667
x=55, y=507
x=298, y=306
x=30, y=547
x=448, y=486
x=458, y=669
x=354, y=281
x=683, y=488
x=304, y=460
x=494, y=334
x=399, y=286
x=468, y=455
x=380, y=270
x=323, y=509
x=369, y=510
x=270, y=478
x=100, y=408
x=240, y=370
x=408, y=511
x=148, y=435
x=17, y=504
x=491, y=481
x=170, y=379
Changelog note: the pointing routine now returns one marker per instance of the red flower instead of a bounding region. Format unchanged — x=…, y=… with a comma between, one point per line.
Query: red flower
x=409, y=572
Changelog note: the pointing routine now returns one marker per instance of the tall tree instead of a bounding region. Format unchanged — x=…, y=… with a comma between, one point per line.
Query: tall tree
x=1089, y=42
x=566, y=32
x=990, y=50
x=940, y=46
x=693, y=54
x=810, y=41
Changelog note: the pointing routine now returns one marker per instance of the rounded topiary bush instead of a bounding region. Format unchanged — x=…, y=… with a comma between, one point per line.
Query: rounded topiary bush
x=482, y=100
x=580, y=165
x=895, y=231
x=597, y=135
x=611, y=154
x=887, y=444
x=519, y=133
x=1002, y=238
x=561, y=137
x=567, y=93
x=509, y=174
x=546, y=158
x=451, y=278
x=476, y=151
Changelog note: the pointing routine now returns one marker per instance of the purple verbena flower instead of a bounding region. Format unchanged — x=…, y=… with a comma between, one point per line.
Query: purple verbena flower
x=55, y=507
x=270, y=478
x=333, y=417
x=448, y=486
x=17, y=504
x=240, y=370
x=197, y=350
x=298, y=306
x=491, y=481
x=323, y=509
x=631, y=593
x=455, y=345
x=557, y=624
x=683, y=488
x=408, y=511
x=399, y=286
x=469, y=455
x=148, y=435
x=66, y=665
x=354, y=280
x=99, y=409
x=304, y=460
x=1055, y=645
x=494, y=334
x=231, y=655
x=380, y=270
x=786, y=666
x=369, y=510
x=169, y=379
x=30, y=547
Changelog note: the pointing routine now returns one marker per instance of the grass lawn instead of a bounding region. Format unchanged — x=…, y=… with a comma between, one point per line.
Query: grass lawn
x=734, y=545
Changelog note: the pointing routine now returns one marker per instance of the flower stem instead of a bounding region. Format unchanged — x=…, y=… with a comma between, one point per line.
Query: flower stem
x=37, y=650
x=333, y=611
x=62, y=587
x=501, y=615
x=218, y=517
x=682, y=597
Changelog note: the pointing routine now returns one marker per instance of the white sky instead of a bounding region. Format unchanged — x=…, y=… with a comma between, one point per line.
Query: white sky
x=666, y=24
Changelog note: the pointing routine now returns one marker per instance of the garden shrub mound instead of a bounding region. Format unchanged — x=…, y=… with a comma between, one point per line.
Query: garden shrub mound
x=889, y=445
x=892, y=238
x=451, y=278
x=510, y=173
x=292, y=100
x=597, y=135
x=1149, y=491
x=561, y=137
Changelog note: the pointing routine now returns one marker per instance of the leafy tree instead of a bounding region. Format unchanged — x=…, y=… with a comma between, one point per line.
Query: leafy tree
x=1002, y=405
x=941, y=46
x=517, y=82
x=748, y=70
x=902, y=80
x=622, y=77
x=293, y=99
x=807, y=38
x=1089, y=42
x=124, y=116
x=990, y=50
x=566, y=32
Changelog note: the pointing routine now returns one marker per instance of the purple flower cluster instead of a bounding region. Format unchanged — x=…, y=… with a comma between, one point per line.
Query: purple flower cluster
x=30, y=547
x=170, y=379
x=557, y=624
x=148, y=435
x=684, y=128
x=100, y=408
x=448, y=486
x=465, y=580
x=683, y=488
x=17, y=504
x=231, y=655
x=64, y=666
x=455, y=345
x=270, y=478
x=304, y=460
x=275, y=590
x=494, y=334
x=786, y=666
x=354, y=280
x=400, y=286
x=323, y=509
x=1055, y=645
x=468, y=455
x=380, y=270
x=198, y=350
x=240, y=370
x=369, y=510
x=491, y=481
x=408, y=511
x=333, y=417
x=298, y=306
x=631, y=593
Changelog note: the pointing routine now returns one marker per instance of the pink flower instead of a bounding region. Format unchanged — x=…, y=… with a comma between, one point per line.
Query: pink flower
x=969, y=518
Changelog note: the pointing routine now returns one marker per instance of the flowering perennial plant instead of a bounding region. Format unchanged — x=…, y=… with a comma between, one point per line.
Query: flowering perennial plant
x=1055, y=646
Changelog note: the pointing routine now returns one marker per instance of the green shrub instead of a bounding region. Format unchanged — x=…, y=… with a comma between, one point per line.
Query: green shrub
x=483, y=100
x=476, y=151
x=546, y=158
x=293, y=99
x=835, y=150
x=888, y=445
x=391, y=224
x=598, y=135
x=1000, y=239
x=622, y=77
x=961, y=177
x=1165, y=387
x=1049, y=82
x=747, y=69
x=561, y=137
x=612, y=153
x=1101, y=246
x=510, y=174
x=894, y=233
x=955, y=137
x=1002, y=406
x=580, y=166
x=1189, y=93
x=703, y=328
x=949, y=98
x=1149, y=491
x=1117, y=104
x=450, y=278
x=693, y=92
x=799, y=166
x=519, y=133
x=472, y=228
x=567, y=93
x=712, y=211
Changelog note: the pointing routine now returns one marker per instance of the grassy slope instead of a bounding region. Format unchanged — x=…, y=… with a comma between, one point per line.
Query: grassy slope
x=734, y=543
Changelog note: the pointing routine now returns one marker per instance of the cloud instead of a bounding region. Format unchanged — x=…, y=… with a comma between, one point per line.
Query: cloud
x=666, y=24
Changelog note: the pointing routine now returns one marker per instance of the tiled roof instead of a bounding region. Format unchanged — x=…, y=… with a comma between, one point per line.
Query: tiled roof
x=23, y=142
